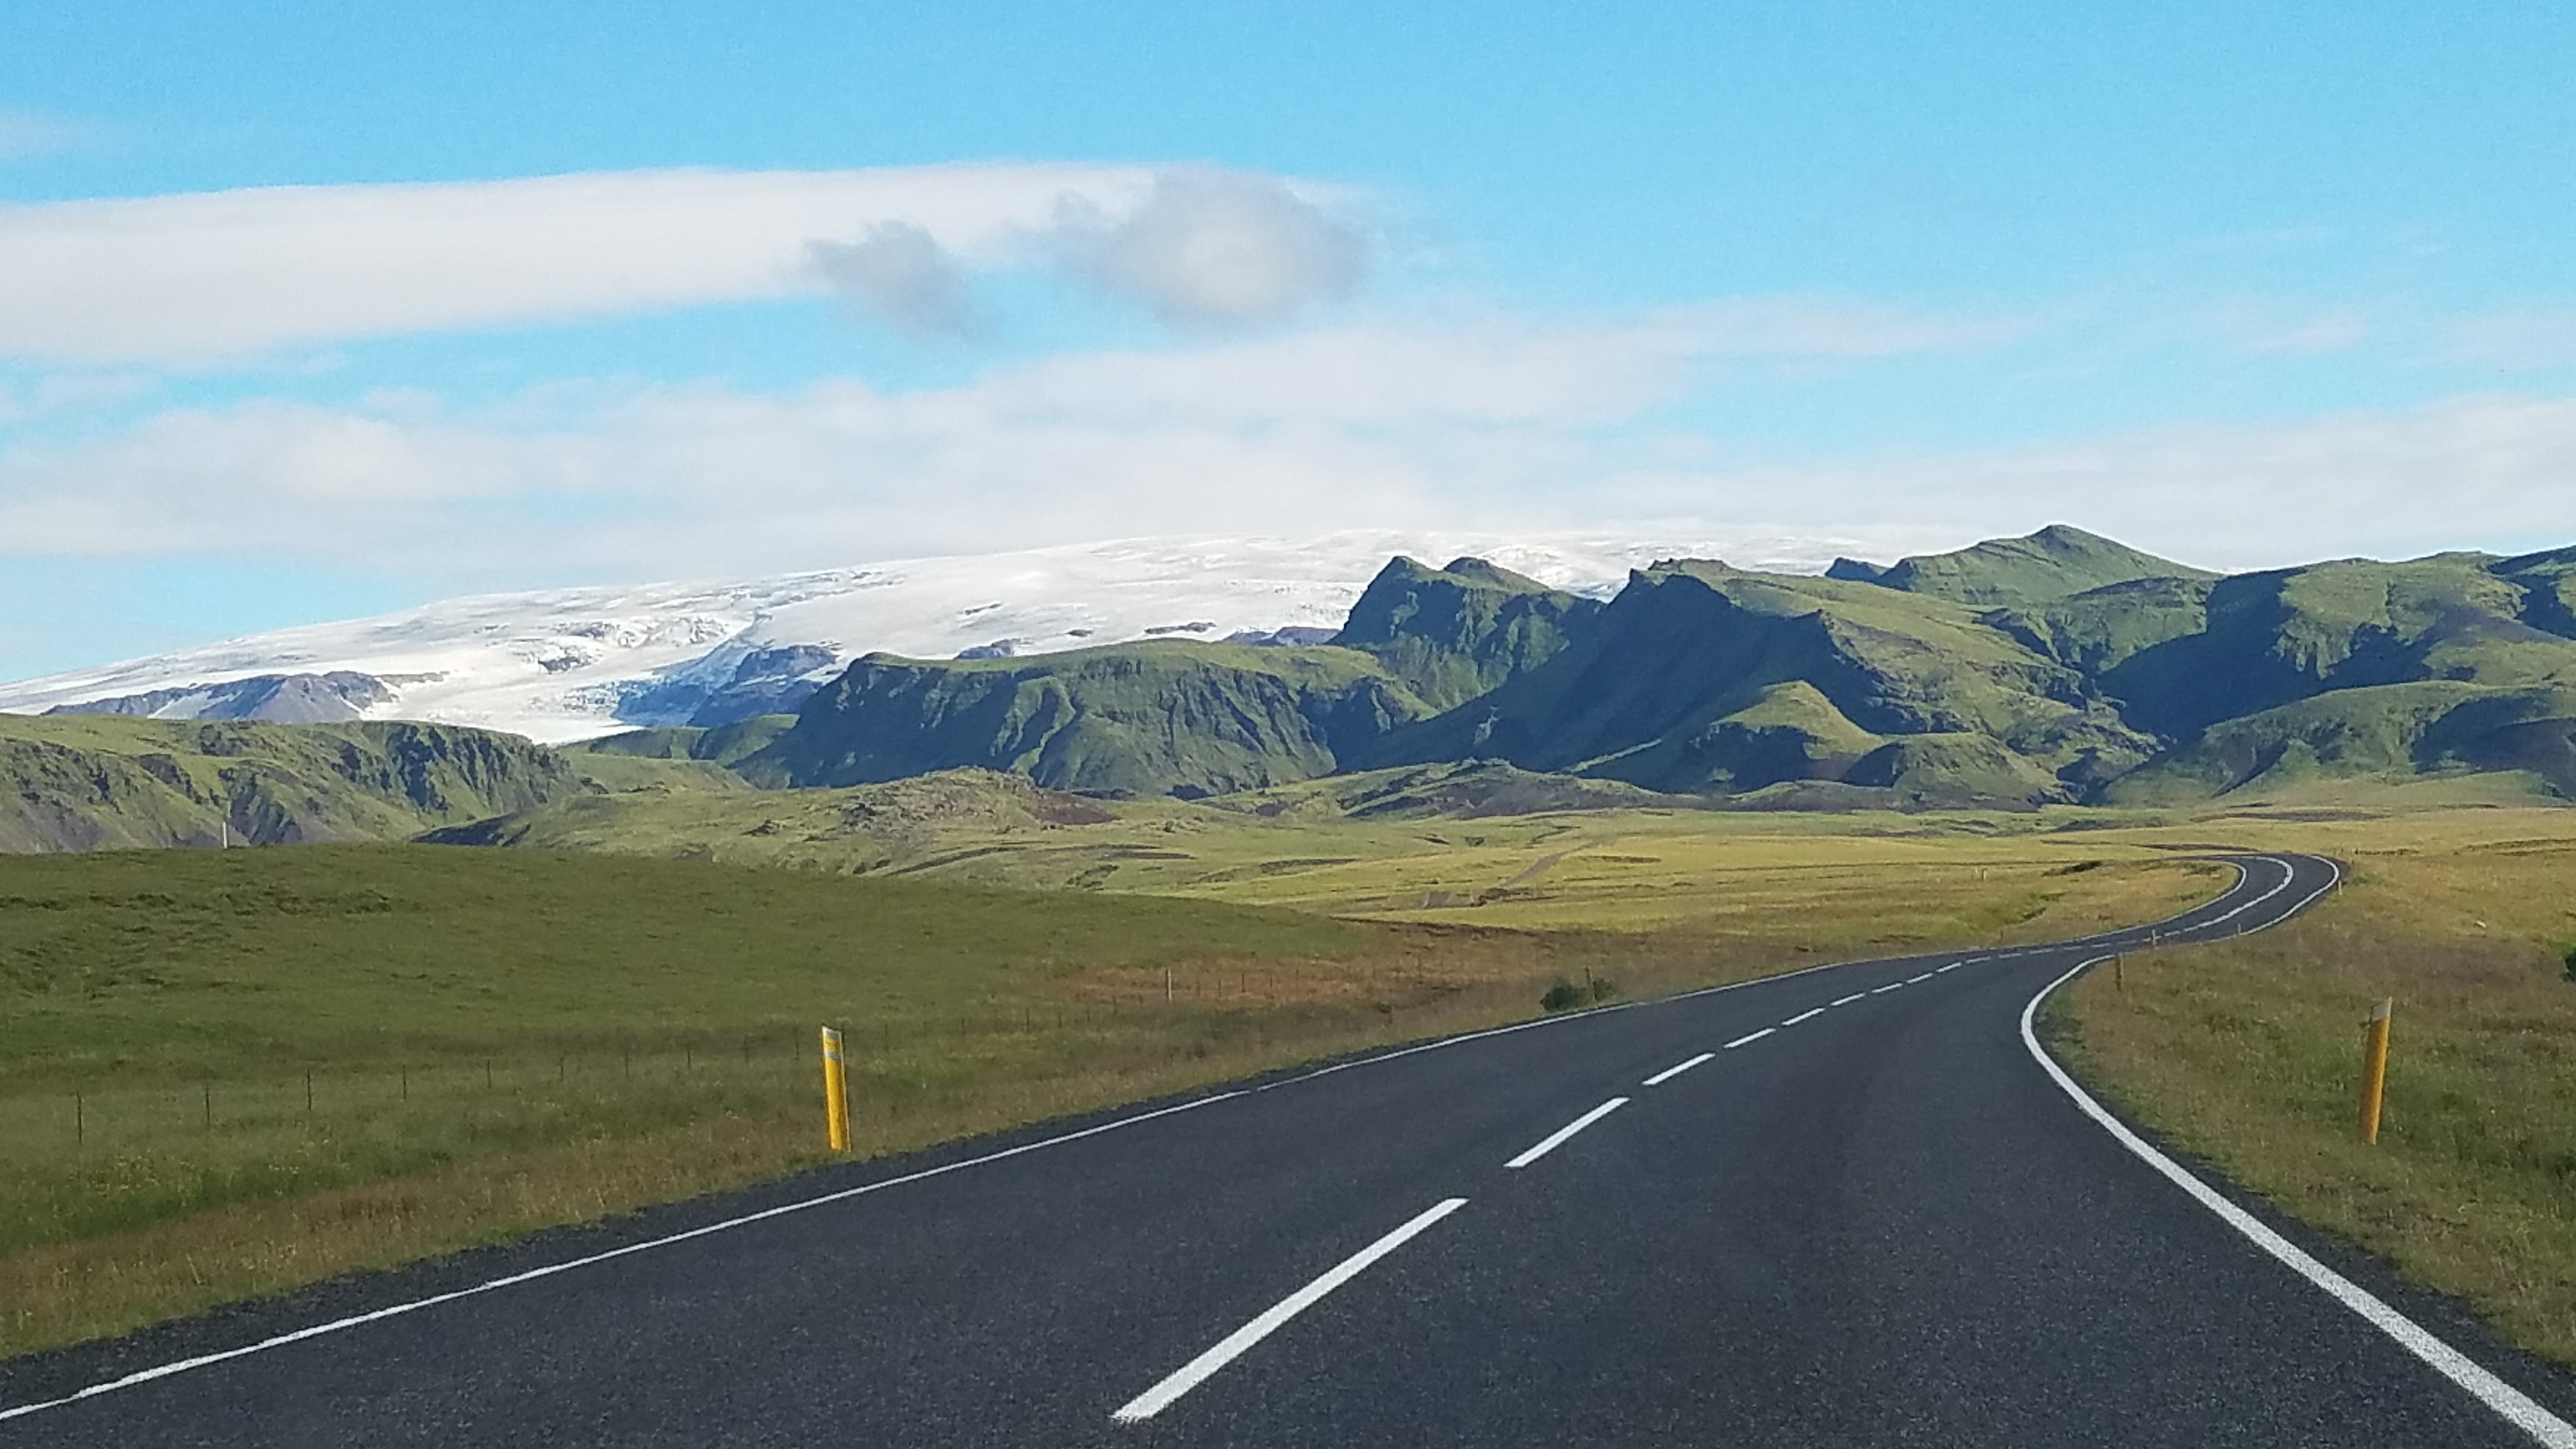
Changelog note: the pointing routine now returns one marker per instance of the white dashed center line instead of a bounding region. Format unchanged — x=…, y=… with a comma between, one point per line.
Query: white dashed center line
x=1803, y=1016
x=1668, y=1073
x=1556, y=1139
x=1953, y=966
x=1926, y=976
x=1741, y=1040
x=1847, y=1000
x=1190, y=1375
x=1891, y=986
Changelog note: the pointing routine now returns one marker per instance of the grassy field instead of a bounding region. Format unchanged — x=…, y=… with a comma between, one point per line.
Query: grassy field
x=224, y=1074
x=2249, y=1053
x=1612, y=869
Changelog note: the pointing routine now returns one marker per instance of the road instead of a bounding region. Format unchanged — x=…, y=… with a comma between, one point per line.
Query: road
x=1850, y=1206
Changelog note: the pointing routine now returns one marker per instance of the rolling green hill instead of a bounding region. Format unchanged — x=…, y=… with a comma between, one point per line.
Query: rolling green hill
x=2053, y=563
x=1165, y=718
x=87, y=782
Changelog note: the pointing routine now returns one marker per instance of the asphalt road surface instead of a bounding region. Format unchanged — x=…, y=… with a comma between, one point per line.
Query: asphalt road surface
x=1851, y=1206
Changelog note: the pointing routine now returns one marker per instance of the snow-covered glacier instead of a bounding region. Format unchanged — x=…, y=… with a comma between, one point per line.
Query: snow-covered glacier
x=566, y=664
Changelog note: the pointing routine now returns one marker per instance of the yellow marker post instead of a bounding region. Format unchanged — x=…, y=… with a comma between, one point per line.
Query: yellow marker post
x=836, y=1092
x=2374, y=1069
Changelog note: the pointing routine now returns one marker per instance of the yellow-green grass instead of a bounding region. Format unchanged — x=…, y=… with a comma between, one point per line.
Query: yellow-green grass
x=1611, y=869
x=2249, y=1053
x=495, y=1041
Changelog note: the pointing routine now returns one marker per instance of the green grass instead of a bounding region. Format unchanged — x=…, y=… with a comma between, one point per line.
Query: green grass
x=86, y=782
x=2248, y=1053
x=456, y=1010
x=227, y=1073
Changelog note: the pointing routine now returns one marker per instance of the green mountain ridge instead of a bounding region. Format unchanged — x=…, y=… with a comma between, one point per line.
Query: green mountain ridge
x=1702, y=677
x=1453, y=633
x=88, y=782
x=1161, y=718
x=2058, y=668
x=2050, y=668
x=2053, y=563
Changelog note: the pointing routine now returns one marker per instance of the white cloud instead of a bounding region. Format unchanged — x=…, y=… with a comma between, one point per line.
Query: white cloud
x=900, y=272
x=68, y=394
x=220, y=275
x=26, y=134
x=1361, y=425
x=2281, y=328
x=1493, y=425
x=2495, y=471
x=1217, y=249
x=2513, y=341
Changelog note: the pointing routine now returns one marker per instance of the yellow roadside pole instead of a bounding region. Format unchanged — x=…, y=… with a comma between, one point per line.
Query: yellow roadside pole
x=836, y=1092
x=2374, y=1069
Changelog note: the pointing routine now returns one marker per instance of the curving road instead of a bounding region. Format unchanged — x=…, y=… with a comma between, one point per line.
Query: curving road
x=1851, y=1206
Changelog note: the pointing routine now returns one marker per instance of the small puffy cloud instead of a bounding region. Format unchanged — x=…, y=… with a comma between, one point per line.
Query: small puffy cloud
x=26, y=134
x=2525, y=340
x=898, y=271
x=1217, y=249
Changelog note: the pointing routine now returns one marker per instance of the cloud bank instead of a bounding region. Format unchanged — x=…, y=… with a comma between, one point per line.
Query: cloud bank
x=1506, y=424
x=219, y=275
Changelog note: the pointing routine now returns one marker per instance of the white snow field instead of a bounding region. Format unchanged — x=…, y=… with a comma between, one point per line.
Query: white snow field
x=567, y=664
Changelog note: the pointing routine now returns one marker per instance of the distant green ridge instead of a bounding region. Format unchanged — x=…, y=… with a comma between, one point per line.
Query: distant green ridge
x=2057, y=666
x=2024, y=572
x=89, y=782
x=2390, y=730
x=2277, y=637
x=1143, y=719
x=722, y=745
x=1454, y=633
x=2548, y=581
x=1701, y=677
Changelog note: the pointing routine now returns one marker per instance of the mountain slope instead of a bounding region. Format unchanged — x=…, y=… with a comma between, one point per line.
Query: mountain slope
x=1147, y=719
x=1699, y=677
x=1453, y=633
x=82, y=783
x=2019, y=572
x=2278, y=637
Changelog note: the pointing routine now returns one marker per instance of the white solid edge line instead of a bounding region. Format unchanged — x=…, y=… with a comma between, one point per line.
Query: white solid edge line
x=1847, y=1000
x=2508, y=1402
x=1668, y=1073
x=1744, y=1040
x=1557, y=1138
x=1808, y=1015
x=1190, y=1375
x=549, y=1270
x=1450, y=1041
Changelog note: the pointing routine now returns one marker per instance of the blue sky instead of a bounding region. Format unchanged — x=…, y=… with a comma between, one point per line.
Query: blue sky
x=2247, y=288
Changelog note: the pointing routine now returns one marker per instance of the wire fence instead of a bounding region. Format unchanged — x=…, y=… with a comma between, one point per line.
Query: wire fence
x=136, y=1143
